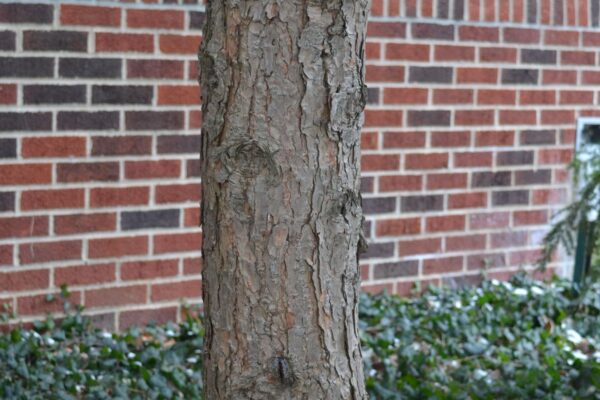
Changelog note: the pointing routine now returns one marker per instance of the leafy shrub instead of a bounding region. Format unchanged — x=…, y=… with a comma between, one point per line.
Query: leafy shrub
x=517, y=340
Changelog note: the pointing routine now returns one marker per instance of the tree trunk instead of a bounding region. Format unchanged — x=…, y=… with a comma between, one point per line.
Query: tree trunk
x=283, y=94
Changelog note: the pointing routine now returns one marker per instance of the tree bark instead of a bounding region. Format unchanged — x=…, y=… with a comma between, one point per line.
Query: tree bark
x=283, y=94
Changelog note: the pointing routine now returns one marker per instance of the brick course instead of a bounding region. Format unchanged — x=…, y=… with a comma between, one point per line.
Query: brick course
x=468, y=130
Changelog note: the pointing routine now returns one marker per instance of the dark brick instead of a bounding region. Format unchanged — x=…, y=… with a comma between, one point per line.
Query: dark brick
x=86, y=172
x=7, y=201
x=55, y=41
x=515, y=158
x=510, y=197
x=396, y=269
x=28, y=121
x=367, y=226
x=89, y=67
x=538, y=137
x=379, y=205
x=7, y=40
x=155, y=69
x=558, y=12
x=532, y=11
x=535, y=56
x=149, y=219
x=430, y=74
x=378, y=250
x=26, y=67
x=542, y=176
x=122, y=94
x=489, y=179
x=197, y=19
x=422, y=203
x=16, y=13
x=76, y=120
x=520, y=76
x=178, y=144
x=154, y=120
x=595, y=12
x=121, y=145
x=459, y=9
x=373, y=95
x=367, y=184
x=53, y=94
x=443, y=9
x=429, y=118
x=433, y=31
x=8, y=148
x=193, y=168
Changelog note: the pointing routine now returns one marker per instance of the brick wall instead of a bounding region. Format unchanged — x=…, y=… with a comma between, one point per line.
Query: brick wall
x=470, y=123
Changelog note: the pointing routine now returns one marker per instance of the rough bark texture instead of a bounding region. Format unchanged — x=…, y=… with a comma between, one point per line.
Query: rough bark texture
x=283, y=95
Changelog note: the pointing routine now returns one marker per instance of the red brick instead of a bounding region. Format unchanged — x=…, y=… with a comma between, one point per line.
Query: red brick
x=446, y=181
x=65, y=146
x=452, y=96
x=521, y=35
x=524, y=257
x=39, y=304
x=383, y=118
x=426, y=161
x=152, y=169
x=496, y=96
x=192, y=266
x=495, y=138
x=372, y=51
x=419, y=246
x=391, y=183
x=529, y=97
x=16, y=281
x=477, y=75
x=474, y=117
x=549, y=196
x=52, y=199
x=155, y=69
x=380, y=162
x=530, y=217
x=559, y=77
x=451, y=139
x=110, y=197
x=159, y=19
x=561, y=37
x=84, y=275
x=25, y=174
x=386, y=29
x=71, y=14
x=404, y=96
x=118, y=247
x=403, y=140
x=576, y=97
x=443, y=265
x=486, y=261
x=195, y=119
x=177, y=193
x=557, y=117
x=493, y=220
x=467, y=200
x=40, y=252
x=8, y=94
x=498, y=54
x=177, y=290
x=473, y=159
x=465, y=242
x=128, y=319
x=446, y=223
x=115, y=296
x=82, y=223
x=555, y=156
x=518, y=117
x=398, y=227
x=178, y=95
x=404, y=51
x=479, y=34
x=385, y=73
x=179, y=44
x=151, y=269
x=124, y=42
x=509, y=239
x=6, y=254
x=21, y=227
x=369, y=140
x=177, y=243
x=591, y=38
x=454, y=53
